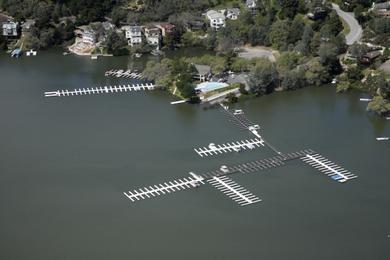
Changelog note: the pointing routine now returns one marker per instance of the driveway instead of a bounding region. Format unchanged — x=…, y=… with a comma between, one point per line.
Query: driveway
x=356, y=31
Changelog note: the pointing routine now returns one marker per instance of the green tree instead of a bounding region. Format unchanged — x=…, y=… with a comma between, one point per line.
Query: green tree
x=280, y=31
x=263, y=77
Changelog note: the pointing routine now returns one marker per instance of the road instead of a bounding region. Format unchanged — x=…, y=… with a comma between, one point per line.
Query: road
x=356, y=31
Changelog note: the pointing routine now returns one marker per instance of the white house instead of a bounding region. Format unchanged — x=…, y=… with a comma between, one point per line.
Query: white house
x=133, y=34
x=10, y=29
x=217, y=19
x=251, y=4
x=232, y=13
x=89, y=36
x=152, y=35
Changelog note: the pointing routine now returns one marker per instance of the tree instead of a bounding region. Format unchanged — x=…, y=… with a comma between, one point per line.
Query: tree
x=303, y=45
x=293, y=79
x=116, y=44
x=280, y=31
x=328, y=57
x=263, y=77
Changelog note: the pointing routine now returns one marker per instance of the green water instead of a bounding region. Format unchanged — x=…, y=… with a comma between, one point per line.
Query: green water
x=64, y=163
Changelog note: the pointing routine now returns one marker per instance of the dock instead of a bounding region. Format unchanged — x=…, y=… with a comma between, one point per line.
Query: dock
x=238, y=146
x=234, y=191
x=100, y=90
x=329, y=168
x=123, y=74
x=383, y=138
x=366, y=99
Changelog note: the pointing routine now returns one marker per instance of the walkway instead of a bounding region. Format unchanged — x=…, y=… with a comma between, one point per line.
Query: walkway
x=356, y=31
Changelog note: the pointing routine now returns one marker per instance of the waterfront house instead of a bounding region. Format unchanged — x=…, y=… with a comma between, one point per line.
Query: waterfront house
x=10, y=29
x=371, y=56
x=382, y=9
x=232, y=13
x=86, y=34
x=195, y=25
x=251, y=4
x=27, y=26
x=166, y=28
x=133, y=35
x=203, y=72
x=217, y=19
x=152, y=35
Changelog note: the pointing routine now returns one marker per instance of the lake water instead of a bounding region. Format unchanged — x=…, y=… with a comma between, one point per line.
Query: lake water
x=64, y=163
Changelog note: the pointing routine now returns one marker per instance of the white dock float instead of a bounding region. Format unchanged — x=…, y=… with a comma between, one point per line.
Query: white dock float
x=179, y=102
x=383, y=138
x=213, y=149
x=366, y=99
x=100, y=90
x=165, y=188
x=234, y=191
x=327, y=167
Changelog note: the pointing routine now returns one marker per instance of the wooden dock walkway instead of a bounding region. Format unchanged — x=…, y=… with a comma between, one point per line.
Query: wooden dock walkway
x=100, y=90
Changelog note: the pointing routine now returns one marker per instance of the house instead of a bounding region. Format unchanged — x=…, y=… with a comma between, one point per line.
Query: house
x=203, y=72
x=27, y=26
x=166, y=28
x=133, y=35
x=317, y=13
x=217, y=19
x=152, y=35
x=10, y=29
x=382, y=9
x=370, y=57
x=86, y=34
x=232, y=13
x=195, y=25
x=251, y=4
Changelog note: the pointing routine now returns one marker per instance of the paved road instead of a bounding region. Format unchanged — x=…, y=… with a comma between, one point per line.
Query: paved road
x=355, y=32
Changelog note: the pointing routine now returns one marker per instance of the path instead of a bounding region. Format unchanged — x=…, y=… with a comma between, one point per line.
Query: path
x=356, y=31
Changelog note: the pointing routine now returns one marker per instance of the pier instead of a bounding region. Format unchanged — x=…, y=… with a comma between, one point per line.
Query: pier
x=213, y=149
x=99, y=90
x=123, y=74
x=329, y=168
x=234, y=191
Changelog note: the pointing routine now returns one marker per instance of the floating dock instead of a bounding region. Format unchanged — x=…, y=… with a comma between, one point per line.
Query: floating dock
x=366, y=99
x=383, y=138
x=329, y=168
x=234, y=191
x=99, y=90
x=213, y=149
x=123, y=74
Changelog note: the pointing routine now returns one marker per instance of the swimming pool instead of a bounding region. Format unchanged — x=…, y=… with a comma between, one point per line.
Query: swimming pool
x=210, y=86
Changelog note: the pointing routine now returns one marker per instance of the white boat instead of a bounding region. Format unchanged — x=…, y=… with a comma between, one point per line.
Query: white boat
x=94, y=57
x=31, y=52
x=387, y=118
x=383, y=138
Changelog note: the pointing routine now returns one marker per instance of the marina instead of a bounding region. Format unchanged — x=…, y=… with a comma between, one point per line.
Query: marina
x=100, y=90
x=66, y=163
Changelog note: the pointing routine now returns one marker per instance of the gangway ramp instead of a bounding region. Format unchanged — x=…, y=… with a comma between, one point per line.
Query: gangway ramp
x=238, y=146
x=164, y=188
x=234, y=191
x=329, y=168
x=100, y=90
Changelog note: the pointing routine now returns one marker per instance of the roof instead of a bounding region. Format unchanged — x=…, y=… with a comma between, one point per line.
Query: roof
x=203, y=69
x=212, y=14
x=385, y=5
x=235, y=11
x=372, y=54
x=251, y=2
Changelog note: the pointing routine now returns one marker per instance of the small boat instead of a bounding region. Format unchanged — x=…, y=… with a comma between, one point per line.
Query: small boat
x=138, y=55
x=16, y=53
x=387, y=118
x=94, y=57
x=65, y=53
x=383, y=138
x=31, y=52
